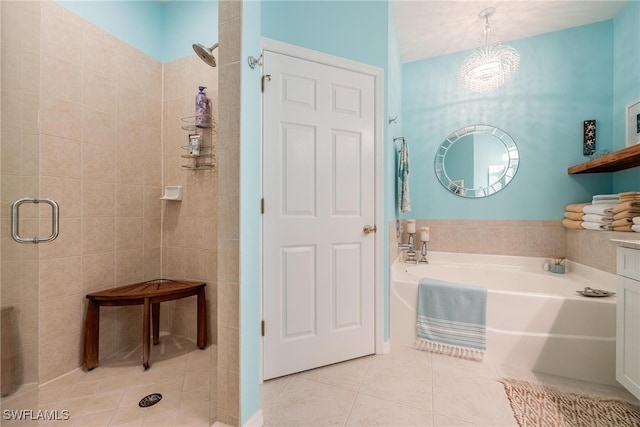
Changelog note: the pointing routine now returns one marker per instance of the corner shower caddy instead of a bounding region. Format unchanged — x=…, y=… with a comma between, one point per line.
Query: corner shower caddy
x=205, y=160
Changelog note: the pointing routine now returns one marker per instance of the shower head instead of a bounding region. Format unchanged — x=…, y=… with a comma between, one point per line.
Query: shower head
x=206, y=53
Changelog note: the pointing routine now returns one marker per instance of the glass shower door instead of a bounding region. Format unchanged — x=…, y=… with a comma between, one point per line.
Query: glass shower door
x=19, y=178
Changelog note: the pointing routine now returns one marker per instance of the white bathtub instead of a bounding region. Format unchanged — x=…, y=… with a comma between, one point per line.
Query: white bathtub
x=535, y=319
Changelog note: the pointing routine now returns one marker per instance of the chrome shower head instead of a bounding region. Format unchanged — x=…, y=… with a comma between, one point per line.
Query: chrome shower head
x=206, y=53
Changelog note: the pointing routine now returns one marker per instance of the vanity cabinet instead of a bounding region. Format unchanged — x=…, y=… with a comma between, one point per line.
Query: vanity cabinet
x=628, y=319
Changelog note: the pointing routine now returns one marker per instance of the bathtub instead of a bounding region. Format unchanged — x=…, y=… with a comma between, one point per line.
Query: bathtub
x=535, y=319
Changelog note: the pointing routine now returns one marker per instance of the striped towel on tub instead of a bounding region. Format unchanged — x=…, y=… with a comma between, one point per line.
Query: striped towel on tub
x=451, y=318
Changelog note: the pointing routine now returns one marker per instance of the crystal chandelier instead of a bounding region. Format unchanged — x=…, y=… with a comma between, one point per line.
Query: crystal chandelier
x=491, y=65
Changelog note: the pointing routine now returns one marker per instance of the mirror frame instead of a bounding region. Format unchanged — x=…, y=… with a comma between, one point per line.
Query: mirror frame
x=509, y=172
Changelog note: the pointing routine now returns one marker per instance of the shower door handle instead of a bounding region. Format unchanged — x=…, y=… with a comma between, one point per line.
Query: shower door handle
x=15, y=220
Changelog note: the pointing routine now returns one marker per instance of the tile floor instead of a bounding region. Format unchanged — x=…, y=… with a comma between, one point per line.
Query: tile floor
x=109, y=395
x=404, y=388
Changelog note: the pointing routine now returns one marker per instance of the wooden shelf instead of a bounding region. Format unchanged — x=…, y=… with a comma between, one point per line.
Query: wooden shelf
x=619, y=160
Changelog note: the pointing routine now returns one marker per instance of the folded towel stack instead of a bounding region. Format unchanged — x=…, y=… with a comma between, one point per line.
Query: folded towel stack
x=605, y=212
x=573, y=215
x=599, y=214
x=625, y=212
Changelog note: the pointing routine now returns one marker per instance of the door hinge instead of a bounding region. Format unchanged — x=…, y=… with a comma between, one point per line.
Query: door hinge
x=262, y=328
x=262, y=205
x=266, y=77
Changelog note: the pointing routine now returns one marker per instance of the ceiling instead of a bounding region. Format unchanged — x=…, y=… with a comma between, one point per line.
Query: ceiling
x=428, y=28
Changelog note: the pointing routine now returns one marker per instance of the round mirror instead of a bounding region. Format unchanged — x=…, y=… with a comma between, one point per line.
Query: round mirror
x=476, y=161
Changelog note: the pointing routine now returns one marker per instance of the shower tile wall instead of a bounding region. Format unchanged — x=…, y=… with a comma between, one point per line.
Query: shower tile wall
x=228, y=363
x=100, y=158
x=20, y=47
x=190, y=227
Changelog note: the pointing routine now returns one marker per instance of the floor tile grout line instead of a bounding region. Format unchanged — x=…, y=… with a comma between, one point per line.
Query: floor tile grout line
x=357, y=391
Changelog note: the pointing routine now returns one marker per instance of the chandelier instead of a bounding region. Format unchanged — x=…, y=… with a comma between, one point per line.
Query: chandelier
x=491, y=65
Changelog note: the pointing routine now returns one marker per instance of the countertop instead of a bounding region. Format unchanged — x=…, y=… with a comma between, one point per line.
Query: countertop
x=633, y=244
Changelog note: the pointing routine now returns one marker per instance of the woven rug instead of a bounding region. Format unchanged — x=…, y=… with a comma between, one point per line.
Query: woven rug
x=542, y=406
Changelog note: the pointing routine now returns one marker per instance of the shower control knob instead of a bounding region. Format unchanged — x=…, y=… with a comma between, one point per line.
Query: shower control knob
x=368, y=229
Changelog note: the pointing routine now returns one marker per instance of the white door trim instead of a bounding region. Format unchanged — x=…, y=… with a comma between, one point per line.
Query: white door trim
x=378, y=75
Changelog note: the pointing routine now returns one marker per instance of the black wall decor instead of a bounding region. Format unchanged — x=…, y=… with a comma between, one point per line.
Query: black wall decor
x=589, y=141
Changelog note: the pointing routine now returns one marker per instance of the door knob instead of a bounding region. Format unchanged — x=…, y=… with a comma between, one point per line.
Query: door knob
x=367, y=229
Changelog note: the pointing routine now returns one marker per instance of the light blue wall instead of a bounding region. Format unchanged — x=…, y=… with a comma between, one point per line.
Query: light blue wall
x=164, y=31
x=188, y=22
x=250, y=218
x=355, y=30
x=626, y=88
x=565, y=77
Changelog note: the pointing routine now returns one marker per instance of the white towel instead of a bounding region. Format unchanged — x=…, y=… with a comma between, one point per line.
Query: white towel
x=636, y=219
x=636, y=228
x=595, y=226
x=599, y=219
x=600, y=209
x=404, y=201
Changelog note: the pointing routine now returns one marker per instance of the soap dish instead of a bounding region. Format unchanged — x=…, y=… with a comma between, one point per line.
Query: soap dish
x=172, y=192
x=590, y=292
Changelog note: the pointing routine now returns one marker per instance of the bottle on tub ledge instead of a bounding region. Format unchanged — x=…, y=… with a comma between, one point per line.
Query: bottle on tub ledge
x=202, y=108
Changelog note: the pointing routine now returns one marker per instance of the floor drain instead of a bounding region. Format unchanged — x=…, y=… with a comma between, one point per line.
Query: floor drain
x=150, y=400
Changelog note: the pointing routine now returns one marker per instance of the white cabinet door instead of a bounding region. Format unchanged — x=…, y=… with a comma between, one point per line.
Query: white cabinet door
x=628, y=327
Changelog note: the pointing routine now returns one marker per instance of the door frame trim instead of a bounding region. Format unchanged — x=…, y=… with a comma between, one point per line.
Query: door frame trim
x=378, y=74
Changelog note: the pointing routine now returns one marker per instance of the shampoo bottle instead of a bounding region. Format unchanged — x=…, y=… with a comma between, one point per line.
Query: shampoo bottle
x=202, y=107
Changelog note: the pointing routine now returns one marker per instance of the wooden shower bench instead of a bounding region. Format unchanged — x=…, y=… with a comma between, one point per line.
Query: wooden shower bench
x=149, y=294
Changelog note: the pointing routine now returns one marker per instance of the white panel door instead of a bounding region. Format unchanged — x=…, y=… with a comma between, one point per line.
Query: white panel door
x=318, y=188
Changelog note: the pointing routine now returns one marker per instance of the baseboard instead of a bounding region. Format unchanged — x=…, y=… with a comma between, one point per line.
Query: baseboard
x=386, y=347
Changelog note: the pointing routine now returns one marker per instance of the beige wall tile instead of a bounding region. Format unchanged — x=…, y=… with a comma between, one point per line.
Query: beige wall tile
x=152, y=263
x=62, y=79
x=228, y=268
x=60, y=277
x=63, y=355
x=152, y=207
x=152, y=232
x=61, y=118
x=129, y=200
x=98, y=199
x=98, y=163
x=128, y=265
x=128, y=170
x=62, y=36
x=60, y=157
x=100, y=53
x=68, y=242
x=66, y=192
x=99, y=128
x=98, y=235
x=98, y=271
x=129, y=234
x=59, y=317
x=174, y=262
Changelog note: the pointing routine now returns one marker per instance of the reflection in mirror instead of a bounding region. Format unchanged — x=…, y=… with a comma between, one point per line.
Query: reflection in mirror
x=476, y=161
